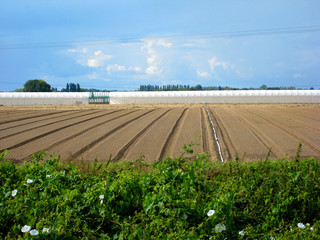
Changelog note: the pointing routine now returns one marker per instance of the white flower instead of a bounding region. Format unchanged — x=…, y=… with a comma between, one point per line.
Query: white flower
x=101, y=201
x=48, y=176
x=308, y=224
x=29, y=181
x=272, y=238
x=311, y=229
x=14, y=192
x=211, y=212
x=301, y=225
x=242, y=233
x=34, y=232
x=46, y=230
x=25, y=229
x=220, y=227
x=101, y=196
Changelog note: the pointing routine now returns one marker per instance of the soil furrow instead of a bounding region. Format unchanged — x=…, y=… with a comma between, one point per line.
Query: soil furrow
x=204, y=133
x=86, y=130
x=223, y=137
x=207, y=130
x=172, y=135
x=150, y=143
x=288, y=131
x=51, y=123
x=126, y=148
x=265, y=141
x=24, y=118
x=96, y=141
x=40, y=120
x=49, y=132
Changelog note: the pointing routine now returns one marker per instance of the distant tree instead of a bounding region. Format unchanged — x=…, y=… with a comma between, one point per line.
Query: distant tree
x=19, y=90
x=78, y=88
x=37, y=85
x=264, y=87
x=67, y=88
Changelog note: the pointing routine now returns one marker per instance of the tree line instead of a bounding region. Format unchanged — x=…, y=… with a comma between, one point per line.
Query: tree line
x=198, y=87
x=39, y=85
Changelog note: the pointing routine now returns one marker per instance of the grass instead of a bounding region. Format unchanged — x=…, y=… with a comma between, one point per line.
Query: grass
x=169, y=199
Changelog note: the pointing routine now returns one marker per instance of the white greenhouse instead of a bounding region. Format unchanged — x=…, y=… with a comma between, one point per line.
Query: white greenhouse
x=235, y=96
x=158, y=97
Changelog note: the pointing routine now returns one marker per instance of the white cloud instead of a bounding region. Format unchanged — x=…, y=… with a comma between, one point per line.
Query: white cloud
x=83, y=50
x=203, y=74
x=151, y=47
x=136, y=69
x=115, y=67
x=213, y=63
x=93, y=62
x=93, y=75
x=151, y=59
x=152, y=70
x=98, y=60
x=298, y=75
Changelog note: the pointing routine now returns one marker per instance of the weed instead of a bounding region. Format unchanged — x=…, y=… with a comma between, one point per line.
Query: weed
x=169, y=199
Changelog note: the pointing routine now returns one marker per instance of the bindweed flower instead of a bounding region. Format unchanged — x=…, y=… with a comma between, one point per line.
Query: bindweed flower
x=101, y=196
x=25, y=229
x=220, y=227
x=14, y=193
x=211, y=212
x=34, y=232
x=48, y=176
x=308, y=224
x=29, y=181
x=301, y=225
x=101, y=201
x=46, y=230
x=242, y=233
x=272, y=238
x=311, y=229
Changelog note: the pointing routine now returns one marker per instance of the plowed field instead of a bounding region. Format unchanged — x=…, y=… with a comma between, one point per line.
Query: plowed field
x=126, y=132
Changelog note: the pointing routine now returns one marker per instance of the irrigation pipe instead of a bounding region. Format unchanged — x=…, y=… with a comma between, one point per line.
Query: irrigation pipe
x=215, y=134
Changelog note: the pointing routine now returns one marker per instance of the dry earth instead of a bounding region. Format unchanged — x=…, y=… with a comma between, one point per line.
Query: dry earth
x=125, y=132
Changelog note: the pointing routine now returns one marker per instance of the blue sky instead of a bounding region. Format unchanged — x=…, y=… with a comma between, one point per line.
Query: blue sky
x=118, y=45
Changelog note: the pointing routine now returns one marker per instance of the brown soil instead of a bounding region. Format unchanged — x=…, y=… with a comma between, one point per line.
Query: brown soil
x=91, y=132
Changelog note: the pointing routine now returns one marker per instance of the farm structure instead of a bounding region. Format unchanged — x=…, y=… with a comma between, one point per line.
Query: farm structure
x=244, y=131
x=162, y=97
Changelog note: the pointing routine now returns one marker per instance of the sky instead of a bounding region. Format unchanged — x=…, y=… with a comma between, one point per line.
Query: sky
x=122, y=44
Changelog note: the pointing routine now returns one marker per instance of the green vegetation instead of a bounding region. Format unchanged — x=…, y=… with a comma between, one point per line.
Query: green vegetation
x=170, y=199
x=37, y=85
x=198, y=87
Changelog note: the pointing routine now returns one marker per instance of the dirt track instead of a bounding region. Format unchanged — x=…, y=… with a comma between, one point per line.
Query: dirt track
x=127, y=131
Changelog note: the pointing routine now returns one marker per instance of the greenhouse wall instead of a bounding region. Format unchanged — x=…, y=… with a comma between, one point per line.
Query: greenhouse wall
x=40, y=98
x=158, y=97
x=234, y=96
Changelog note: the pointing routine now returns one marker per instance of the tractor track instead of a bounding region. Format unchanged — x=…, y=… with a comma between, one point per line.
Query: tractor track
x=127, y=147
x=291, y=133
x=48, y=124
x=47, y=133
x=173, y=133
x=109, y=133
